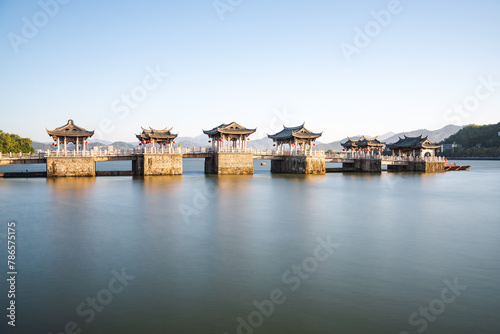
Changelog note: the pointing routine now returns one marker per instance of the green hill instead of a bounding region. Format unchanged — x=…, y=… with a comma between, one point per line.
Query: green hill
x=14, y=143
x=476, y=141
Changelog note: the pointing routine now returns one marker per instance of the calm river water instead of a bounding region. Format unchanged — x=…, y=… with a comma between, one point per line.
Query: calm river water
x=336, y=253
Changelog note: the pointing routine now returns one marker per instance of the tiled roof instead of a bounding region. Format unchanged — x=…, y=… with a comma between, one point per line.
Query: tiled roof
x=296, y=131
x=231, y=128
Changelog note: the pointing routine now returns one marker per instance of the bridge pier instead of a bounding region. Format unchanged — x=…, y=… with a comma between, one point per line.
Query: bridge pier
x=426, y=166
x=157, y=164
x=70, y=166
x=418, y=166
x=226, y=163
x=363, y=165
x=299, y=165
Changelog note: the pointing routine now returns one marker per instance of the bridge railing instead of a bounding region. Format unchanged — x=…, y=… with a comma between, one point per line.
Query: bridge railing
x=370, y=156
x=178, y=150
x=11, y=156
x=90, y=153
x=353, y=155
x=289, y=153
x=229, y=150
x=413, y=159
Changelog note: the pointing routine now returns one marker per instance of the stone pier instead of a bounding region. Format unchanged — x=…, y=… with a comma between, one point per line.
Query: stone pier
x=223, y=163
x=157, y=164
x=298, y=165
x=70, y=166
x=363, y=165
x=427, y=167
x=418, y=166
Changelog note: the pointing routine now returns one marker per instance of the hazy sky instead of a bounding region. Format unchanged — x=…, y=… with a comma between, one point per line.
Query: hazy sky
x=343, y=67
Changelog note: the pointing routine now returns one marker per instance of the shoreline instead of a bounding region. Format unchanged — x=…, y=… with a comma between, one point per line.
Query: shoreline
x=473, y=158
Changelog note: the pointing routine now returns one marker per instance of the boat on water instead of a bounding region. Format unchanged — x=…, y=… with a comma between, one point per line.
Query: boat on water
x=451, y=166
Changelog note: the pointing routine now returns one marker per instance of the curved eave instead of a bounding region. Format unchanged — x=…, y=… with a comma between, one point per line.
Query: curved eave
x=229, y=132
x=285, y=133
x=163, y=130
x=307, y=135
x=163, y=137
x=277, y=137
x=412, y=147
x=210, y=132
x=237, y=132
x=294, y=128
x=70, y=134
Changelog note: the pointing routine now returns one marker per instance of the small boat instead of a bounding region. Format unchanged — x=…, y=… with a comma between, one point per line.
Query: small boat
x=449, y=166
x=262, y=163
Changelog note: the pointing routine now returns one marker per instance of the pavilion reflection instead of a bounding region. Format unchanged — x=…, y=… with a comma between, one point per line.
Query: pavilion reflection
x=75, y=187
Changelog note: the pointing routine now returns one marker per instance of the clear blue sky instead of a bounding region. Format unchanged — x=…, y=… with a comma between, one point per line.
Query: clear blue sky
x=247, y=64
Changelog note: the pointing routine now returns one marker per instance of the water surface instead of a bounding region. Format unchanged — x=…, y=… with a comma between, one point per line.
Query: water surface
x=202, y=249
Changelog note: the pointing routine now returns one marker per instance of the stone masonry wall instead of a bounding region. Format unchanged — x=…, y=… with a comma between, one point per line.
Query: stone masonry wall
x=315, y=165
x=159, y=164
x=427, y=167
x=368, y=165
x=70, y=166
x=138, y=165
x=229, y=164
x=299, y=165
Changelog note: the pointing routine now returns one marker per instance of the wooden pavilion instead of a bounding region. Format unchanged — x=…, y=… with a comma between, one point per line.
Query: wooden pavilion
x=70, y=133
x=162, y=137
x=295, y=137
x=413, y=146
x=227, y=136
x=363, y=144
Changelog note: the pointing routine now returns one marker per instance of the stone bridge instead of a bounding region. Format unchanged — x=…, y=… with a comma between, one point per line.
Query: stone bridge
x=230, y=161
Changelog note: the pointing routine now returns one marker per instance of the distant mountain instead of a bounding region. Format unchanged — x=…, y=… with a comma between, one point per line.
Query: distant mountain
x=391, y=137
x=99, y=141
x=198, y=141
x=386, y=136
x=42, y=146
x=261, y=144
x=120, y=145
x=434, y=136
